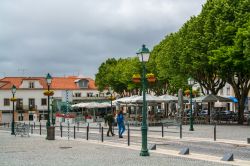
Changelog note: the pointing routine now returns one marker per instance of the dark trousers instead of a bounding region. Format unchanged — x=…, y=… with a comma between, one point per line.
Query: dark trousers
x=110, y=129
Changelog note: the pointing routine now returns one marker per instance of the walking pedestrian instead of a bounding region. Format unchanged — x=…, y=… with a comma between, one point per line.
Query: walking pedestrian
x=110, y=120
x=120, y=121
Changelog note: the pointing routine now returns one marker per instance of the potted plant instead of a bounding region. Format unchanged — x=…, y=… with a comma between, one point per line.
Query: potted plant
x=136, y=78
x=151, y=77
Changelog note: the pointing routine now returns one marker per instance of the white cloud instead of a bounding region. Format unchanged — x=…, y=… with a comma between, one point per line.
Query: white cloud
x=76, y=36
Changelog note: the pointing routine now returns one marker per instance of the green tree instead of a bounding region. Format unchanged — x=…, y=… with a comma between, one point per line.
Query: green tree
x=232, y=56
x=165, y=63
x=103, y=78
x=197, y=35
x=118, y=75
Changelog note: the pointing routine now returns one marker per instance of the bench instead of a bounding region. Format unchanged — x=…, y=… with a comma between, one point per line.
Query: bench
x=170, y=122
x=22, y=129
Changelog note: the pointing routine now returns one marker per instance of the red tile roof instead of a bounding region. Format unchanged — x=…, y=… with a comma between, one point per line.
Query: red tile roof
x=58, y=83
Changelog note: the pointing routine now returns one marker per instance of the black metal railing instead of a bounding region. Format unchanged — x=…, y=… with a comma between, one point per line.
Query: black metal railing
x=98, y=132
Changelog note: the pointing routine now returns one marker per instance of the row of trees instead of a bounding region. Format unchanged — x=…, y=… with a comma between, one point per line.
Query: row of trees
x=213, y=48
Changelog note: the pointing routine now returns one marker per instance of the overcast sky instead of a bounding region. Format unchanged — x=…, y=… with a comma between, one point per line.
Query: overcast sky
x=71, y=37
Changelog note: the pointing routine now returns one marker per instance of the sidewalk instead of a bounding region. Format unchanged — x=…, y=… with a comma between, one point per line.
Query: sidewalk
x=35, y=150
x=236, y=135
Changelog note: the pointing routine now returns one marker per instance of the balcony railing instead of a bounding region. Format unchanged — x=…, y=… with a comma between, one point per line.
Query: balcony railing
x=30, y=108
x=19, y=107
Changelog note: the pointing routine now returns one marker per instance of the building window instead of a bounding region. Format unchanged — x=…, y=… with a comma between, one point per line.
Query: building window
x=19, y=104
x=44, y=102
x=77, y=94
x=83, y=83
x=228, y=91
x=89, y=94
x=221, y=92
x=6, y=102
x=31, y=104
x=31, y=85
x=20, y=117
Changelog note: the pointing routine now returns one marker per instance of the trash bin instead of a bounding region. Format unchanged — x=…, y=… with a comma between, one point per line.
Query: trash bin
x=51, y=133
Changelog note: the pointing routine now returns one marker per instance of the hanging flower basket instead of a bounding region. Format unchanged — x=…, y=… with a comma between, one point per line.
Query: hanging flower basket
x=151, y=77
x=111, y=98
x=194, y=93
x=13, y=99
x=136, y=78
x=48, y=93
x=187, y=92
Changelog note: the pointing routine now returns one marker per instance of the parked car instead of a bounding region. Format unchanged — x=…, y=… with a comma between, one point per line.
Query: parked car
x=187, y=112
x=203, y=113
x=246, y=115
x=225, y=115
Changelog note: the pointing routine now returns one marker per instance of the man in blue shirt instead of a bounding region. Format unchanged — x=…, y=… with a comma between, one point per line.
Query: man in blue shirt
x=120, y=122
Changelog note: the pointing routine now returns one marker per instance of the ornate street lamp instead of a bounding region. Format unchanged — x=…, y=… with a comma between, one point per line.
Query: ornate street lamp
x=143, y=55
x=48, y=80
x=50, y=129
x=191, y=83
x=13, y=99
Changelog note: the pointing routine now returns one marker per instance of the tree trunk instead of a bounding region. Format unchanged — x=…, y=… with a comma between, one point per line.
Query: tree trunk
x=241, y=96
x=241, y=87
x=241, y=111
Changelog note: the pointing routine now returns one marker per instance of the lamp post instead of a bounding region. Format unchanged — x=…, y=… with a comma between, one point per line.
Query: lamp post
x=111, y=97
x=191, y=83
x=143, y=55
x=13, y=90
x=53, y=111
x=48, y=80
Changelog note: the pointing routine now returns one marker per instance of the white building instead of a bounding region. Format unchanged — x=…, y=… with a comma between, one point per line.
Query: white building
x=227, y=91
x=31, y=103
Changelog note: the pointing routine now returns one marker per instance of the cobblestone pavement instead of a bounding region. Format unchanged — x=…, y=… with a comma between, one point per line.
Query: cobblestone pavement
x=35, y=150
x=235, y=132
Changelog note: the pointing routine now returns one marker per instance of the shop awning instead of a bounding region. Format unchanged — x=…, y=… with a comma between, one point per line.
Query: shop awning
x=235, y=100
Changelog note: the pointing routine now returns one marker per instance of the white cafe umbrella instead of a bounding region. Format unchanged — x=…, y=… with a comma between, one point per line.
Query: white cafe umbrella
x=92, y=105
x=79, y=105
x=125, y=99
x=149, y=98
x=169, y=98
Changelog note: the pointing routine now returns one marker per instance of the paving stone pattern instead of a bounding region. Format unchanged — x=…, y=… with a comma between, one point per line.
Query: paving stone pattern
x=30, y=151
x=205, y=131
